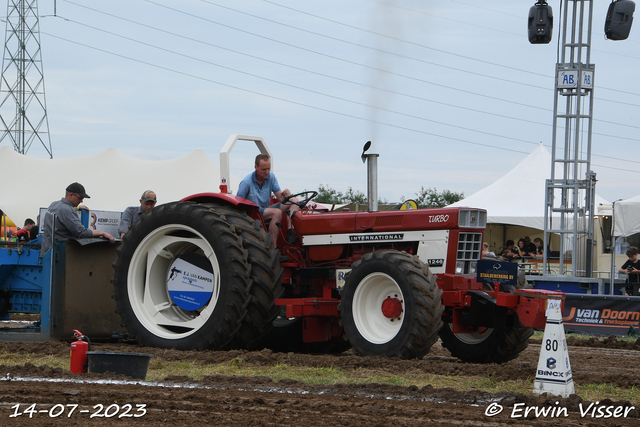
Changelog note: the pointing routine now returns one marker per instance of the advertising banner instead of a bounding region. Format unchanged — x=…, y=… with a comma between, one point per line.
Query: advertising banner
x=189, y=285
x=107, y=221
x=492, y=271
x=95, y=220
x=601, y=314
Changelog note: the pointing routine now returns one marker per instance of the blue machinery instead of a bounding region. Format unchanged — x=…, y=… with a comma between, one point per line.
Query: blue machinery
x=69, y=289
x=23, y=288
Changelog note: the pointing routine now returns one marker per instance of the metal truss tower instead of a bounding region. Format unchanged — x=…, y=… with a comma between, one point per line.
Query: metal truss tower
x=23, y=109
x=570, y=195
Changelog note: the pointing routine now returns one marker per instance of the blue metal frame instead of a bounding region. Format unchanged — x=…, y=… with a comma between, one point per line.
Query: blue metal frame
x=26, y=276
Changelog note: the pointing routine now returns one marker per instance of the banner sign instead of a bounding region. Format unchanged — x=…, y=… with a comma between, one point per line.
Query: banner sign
x=601, y=314
x=492, y=271
x=189, y=286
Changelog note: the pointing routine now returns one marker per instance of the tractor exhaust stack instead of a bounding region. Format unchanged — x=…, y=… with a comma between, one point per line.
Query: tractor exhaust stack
x=372, y=177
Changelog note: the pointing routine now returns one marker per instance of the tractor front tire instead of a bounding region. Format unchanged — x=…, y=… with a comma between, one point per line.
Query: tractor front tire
x=391, y=306
x=168, y=237
x=490, y=345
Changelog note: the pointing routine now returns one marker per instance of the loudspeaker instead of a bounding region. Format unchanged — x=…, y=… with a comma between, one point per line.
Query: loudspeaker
x=619, y=19
x=540, y=23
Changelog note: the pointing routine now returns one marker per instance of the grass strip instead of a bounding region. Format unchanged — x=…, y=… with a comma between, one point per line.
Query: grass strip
x=160, y=369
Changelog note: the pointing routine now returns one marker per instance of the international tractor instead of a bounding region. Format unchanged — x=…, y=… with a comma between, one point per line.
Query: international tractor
x=203, y=273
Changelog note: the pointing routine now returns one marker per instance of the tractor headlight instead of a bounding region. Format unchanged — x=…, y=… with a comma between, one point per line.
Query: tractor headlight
x=459, y=267
x=473, y=267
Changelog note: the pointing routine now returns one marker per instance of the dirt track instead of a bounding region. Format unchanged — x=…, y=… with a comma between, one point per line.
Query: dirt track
x=259, y=401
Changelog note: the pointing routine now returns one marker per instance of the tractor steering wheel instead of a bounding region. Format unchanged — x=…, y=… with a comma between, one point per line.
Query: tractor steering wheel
x=300, y=203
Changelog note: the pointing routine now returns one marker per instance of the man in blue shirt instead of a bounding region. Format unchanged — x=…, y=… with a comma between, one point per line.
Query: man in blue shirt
x=258, y=186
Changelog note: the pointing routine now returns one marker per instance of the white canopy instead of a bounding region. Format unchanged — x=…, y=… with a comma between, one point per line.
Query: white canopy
x=627, y=217
x=518, y=198
x=112, y=179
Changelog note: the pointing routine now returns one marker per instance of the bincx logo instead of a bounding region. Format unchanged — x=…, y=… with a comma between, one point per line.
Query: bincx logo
x=550, y=373
x=551, y=363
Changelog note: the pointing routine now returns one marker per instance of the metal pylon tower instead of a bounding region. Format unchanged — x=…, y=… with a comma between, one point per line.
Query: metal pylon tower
x=570, y=196
x=23, y=110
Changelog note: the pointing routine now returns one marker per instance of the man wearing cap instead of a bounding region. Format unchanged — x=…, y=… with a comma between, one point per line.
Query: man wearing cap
x=68, y=225
x=133, y=213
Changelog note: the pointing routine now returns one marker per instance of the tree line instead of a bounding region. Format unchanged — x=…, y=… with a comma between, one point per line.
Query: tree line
x=425, y=198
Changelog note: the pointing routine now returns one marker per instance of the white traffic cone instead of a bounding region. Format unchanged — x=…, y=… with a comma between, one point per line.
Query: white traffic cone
x=554, y=370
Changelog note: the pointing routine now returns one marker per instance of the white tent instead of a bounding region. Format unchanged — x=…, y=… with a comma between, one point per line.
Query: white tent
x=113, y=180
x=627, y=217
x=518, y=198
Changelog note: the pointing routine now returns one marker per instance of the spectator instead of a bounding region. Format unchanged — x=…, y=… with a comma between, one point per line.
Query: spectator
x=520, y=250
x=540, y=252
x=133, y=213
x=485, y=250
x=68, y=225
x=35, y=230
x=529, y=246
x=24, y=234
x=508, y=252
x=632, y=266
x=258, y=186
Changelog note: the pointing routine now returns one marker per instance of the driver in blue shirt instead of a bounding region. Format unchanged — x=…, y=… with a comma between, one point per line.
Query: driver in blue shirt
x=258, y=186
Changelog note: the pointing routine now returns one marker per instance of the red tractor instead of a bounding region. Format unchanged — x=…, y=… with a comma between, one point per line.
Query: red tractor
x=203, y=273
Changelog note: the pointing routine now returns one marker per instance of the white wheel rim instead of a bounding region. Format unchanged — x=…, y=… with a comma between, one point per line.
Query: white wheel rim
x=472, y=338
x=371, y=323
x=147, y=282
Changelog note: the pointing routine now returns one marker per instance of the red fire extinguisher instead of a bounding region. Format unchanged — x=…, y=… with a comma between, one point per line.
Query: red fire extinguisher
x=79, y=350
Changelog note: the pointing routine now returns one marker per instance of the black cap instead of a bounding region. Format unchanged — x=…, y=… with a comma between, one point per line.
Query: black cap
x=78, y=188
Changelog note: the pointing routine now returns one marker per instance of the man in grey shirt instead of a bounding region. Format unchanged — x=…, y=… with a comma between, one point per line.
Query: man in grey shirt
x=68, y=225
x=133, y=213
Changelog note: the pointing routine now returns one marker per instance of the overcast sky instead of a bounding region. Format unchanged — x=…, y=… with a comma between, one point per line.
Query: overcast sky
x=451, y=92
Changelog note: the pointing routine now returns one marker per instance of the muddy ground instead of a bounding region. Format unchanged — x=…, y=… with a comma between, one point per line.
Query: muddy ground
x=42, y=396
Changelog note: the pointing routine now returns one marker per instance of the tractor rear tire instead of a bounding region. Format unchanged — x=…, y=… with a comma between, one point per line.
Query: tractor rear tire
x=167, y=234
x=391, y=306
x=266, y=277
x=492, y=345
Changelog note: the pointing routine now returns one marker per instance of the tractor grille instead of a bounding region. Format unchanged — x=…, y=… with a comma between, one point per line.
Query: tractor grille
x=469, y=247
x=472, y=218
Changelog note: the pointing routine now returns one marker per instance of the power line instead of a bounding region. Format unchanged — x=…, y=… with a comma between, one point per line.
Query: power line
x=306, y=70
x=412, y=43
x=306, y=89
x=326, y=110
x=299, y=103
x=375, y=68
x=378, y=49
x=386, y=36
x=322, y=93
x=522, y=104
x=355, y=63
x=302, y=88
